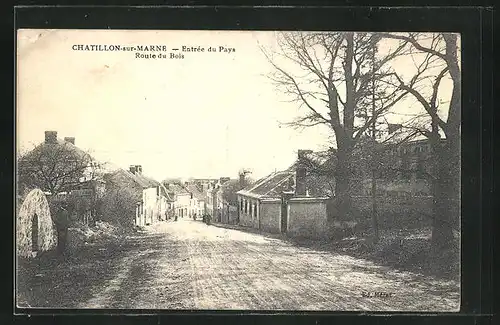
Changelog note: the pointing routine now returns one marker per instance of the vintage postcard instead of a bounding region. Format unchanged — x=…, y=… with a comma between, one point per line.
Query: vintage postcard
x=238, y=170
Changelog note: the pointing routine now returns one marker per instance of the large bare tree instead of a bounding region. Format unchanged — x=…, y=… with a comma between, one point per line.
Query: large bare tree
x=337, y=78
x=56, y=168
x=439, y=55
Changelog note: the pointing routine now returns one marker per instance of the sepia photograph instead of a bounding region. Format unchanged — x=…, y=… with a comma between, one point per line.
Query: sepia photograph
x=238, y=170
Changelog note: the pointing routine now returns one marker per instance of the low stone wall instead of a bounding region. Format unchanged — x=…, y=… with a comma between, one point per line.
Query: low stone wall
x=245, y=219
x=307, y=217
x=396, y=212
x=233, y=215
x=270, y=215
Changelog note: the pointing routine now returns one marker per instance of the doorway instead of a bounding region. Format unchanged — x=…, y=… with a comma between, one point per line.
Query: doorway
x=284, y=214
x=34, y=233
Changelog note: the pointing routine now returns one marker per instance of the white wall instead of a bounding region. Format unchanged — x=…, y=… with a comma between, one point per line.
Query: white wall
x=307, y=217
x=149, y=198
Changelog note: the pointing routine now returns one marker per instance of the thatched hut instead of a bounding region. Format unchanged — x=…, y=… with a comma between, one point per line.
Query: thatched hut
x=35, y=228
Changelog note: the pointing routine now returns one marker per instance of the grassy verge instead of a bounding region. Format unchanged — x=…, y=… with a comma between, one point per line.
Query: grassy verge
x=64, y=281
x=405, y=250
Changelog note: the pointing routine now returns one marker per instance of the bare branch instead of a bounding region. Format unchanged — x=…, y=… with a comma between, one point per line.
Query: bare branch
x=415, y=43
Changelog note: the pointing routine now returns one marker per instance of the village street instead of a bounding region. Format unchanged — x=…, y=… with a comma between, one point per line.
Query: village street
x=189, y=265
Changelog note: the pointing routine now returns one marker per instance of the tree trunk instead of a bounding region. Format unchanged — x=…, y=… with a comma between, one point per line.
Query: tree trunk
x=446, y=194
x=374, y=206
x=343, y=187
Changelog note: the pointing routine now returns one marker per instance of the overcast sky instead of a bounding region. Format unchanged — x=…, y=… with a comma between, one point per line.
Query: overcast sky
x=206, y=115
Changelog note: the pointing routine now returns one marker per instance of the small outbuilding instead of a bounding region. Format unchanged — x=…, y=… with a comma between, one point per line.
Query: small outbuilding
x=35, y=229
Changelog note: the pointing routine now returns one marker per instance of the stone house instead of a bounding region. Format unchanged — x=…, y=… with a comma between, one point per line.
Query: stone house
x=122, y=197
x=403, y=170
x=215, y=200
x=197, y=200
x=154, y=204
x=212, y=206
x=300, y=200
x=182, y=203
x=63, y=171
x=133, y=198
x=403, y=184
x=228, y=212
x=283, y=202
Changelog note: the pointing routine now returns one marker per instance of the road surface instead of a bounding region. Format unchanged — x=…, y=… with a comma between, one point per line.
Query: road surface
x=189, y=265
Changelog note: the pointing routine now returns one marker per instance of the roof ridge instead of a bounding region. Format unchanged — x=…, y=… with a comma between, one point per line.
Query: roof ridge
x=262, y=181
x=279, y=183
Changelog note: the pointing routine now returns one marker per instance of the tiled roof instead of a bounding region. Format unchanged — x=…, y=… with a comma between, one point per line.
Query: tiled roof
x=61, y=144
x=147, y=181
x=192, y=188
x=320, y=159
x=273, y=185
x=166, y=193
x=270, y=186
x=140, y=180
x=177, y=189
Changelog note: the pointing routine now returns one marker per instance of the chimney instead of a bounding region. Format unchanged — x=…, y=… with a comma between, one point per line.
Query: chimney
x=50, y=136
x=300, y=173
x=138, y=169
x=242, y=180
x=70, y=140
x=133, y=169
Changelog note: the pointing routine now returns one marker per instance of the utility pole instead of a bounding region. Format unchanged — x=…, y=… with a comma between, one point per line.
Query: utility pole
x=374, y=154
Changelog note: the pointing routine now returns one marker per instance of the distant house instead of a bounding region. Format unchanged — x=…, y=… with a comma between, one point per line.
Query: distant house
x=211, y=206
x=215, y=199
x=169, y=197
x=403, y=169
x=403, y=183
x=122, y=196
x=197, y=199
x=182, y=204
x=135, y=198
x=63, y=172
x=228, y=213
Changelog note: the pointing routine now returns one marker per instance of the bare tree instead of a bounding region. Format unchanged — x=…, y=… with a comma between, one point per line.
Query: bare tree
x=233, y=186
x=229, y=192
x=56, y=168
x=120, y=204
x=335, y=78
x=63, y=168
x=440, y=52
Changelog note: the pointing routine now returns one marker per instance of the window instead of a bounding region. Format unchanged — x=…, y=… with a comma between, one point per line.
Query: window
x=246, y=206
x=420, y=169
x=255, y=209
x=405, y=168
x=241, y=205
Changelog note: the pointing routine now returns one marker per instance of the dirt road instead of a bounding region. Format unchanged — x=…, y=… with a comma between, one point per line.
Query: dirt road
x=189, y=265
